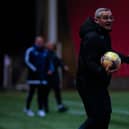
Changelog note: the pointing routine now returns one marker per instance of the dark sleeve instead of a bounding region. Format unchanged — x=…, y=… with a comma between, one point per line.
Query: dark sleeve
x=28, y=60
x=124, y=59
x=90, y=53
x=60, y=62
x=50, y=62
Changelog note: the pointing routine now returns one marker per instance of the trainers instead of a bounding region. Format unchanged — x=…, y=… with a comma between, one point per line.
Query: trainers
x=62, y=108
x=41, y=113
x=29, y=112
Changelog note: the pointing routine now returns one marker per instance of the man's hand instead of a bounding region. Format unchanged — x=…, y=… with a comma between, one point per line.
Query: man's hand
x=49, y=72
x=111, y=70
x=66, y=68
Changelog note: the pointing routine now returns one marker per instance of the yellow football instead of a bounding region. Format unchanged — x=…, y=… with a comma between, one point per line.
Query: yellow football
x=112, y=60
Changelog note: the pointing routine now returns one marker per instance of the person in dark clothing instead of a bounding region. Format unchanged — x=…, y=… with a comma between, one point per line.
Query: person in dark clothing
x=92, y=79
x=39, y=67
x=54, y=79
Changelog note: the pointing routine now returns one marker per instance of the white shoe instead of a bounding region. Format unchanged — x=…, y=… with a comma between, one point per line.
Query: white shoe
x=41, y=113
x=29, y=112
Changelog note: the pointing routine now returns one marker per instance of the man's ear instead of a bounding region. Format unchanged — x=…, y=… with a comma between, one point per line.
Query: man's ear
x=96, y=20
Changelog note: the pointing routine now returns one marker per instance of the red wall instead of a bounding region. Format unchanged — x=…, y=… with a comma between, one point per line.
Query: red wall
x=78, y=10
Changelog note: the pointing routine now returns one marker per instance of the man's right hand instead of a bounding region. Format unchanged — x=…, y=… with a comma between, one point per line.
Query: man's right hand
x=111, y=70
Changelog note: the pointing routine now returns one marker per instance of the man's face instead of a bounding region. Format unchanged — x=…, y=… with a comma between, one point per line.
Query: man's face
x=39, y=41
x=50, y=46
x=105, y=20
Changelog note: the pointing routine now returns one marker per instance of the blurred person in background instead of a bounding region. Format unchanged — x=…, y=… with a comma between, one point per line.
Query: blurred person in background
x=39, y=67
x=92, y=79
x=54, y=79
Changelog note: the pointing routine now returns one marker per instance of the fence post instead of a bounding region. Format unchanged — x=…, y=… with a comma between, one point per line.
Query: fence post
x=7, y=77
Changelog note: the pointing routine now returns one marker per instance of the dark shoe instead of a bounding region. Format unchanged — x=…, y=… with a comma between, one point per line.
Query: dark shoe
x=62, y=108
x=46, y=109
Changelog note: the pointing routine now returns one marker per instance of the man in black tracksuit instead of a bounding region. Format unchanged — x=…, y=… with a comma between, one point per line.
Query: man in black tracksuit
x=92, y=78
x=54, y=78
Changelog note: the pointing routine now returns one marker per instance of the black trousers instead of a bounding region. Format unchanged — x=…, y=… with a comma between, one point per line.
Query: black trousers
x=97, y=105
x=54, y=84
x=57, y=92
x=42, y=91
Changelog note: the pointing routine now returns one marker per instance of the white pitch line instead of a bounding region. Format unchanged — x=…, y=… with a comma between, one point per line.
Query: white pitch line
x=125, y=112
x=73, y=103
x=78, y=112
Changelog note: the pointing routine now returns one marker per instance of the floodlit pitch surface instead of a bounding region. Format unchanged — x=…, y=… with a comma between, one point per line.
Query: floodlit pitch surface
x=12, y=116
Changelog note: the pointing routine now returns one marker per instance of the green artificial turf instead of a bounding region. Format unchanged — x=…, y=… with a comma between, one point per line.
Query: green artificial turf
x=13, y=117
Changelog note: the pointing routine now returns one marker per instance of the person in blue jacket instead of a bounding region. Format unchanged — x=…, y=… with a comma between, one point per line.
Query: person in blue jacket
x=39, y=68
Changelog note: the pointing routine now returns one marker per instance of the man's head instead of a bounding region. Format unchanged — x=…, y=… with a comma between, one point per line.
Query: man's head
x=103, y=17
x=39, y=41
x=51, y=46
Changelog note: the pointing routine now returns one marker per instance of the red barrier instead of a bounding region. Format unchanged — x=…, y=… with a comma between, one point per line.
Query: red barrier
x=78, y=10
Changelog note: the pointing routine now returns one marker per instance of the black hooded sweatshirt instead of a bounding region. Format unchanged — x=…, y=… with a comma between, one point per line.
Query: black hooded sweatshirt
x=95, y=41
